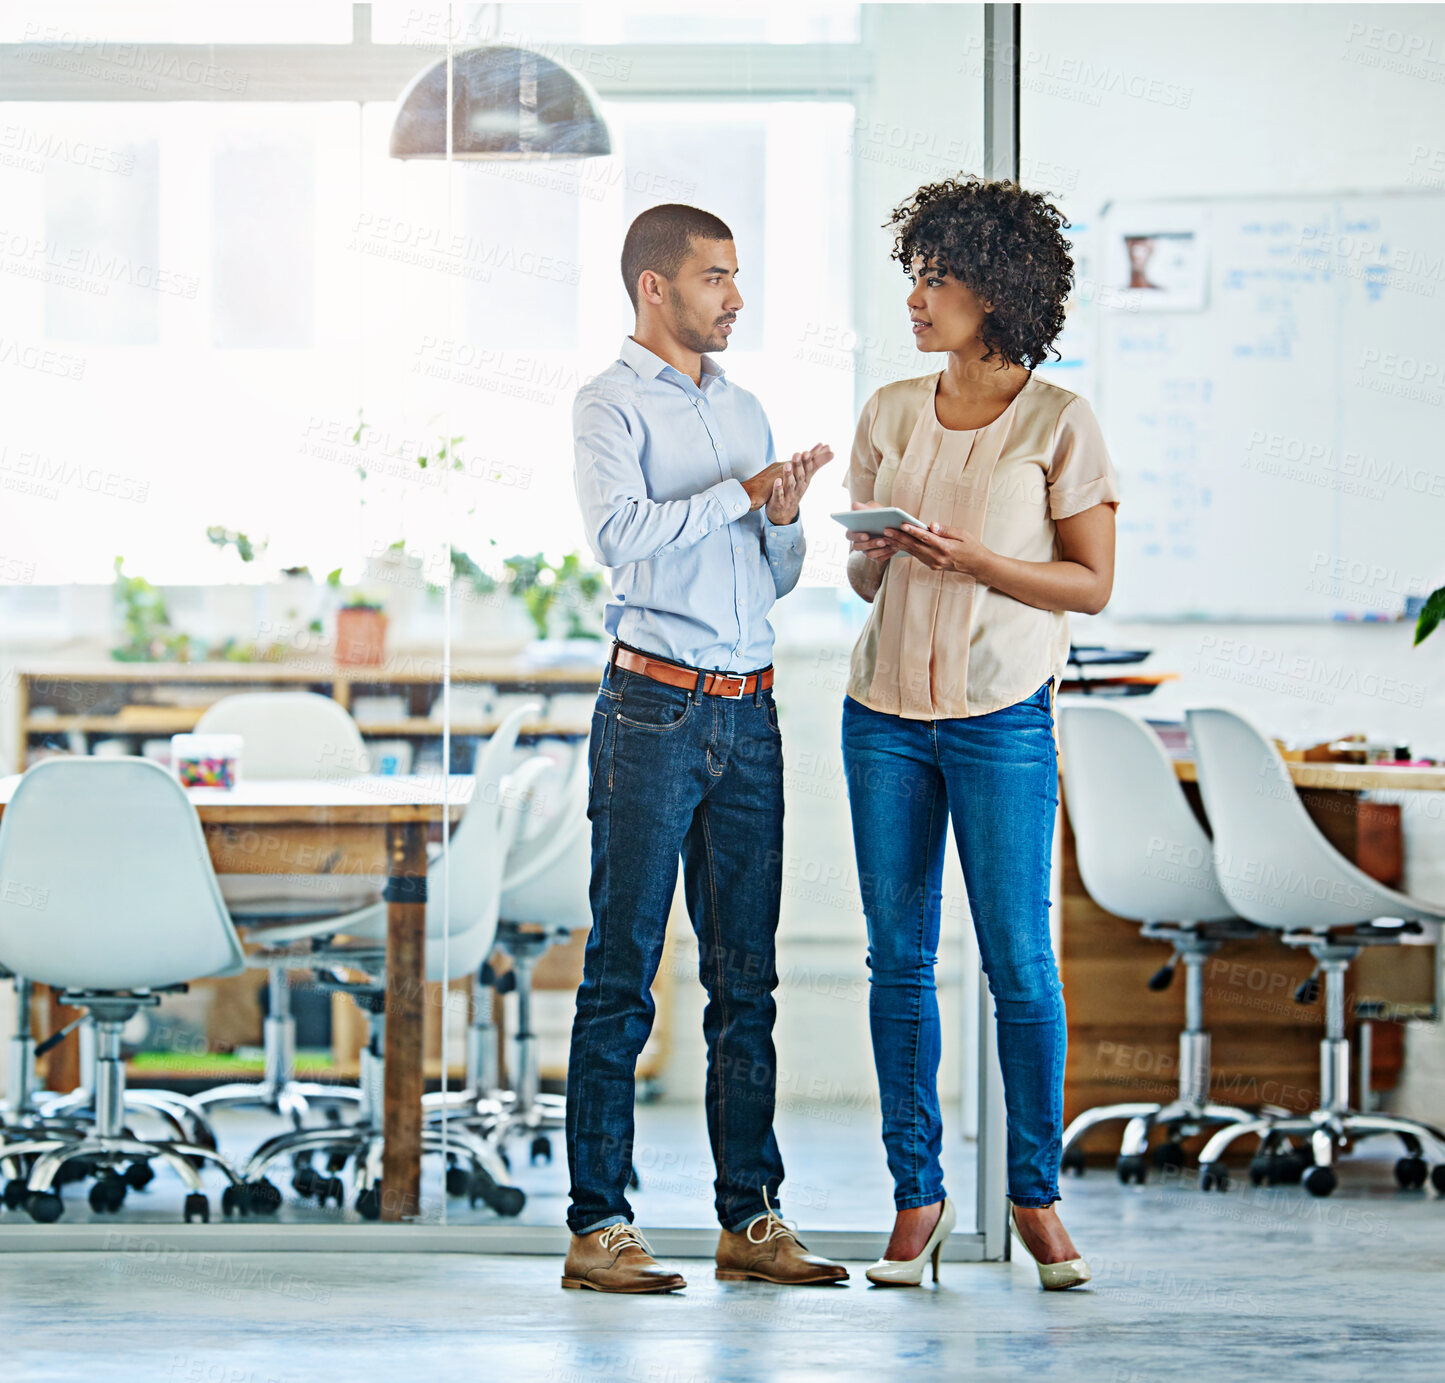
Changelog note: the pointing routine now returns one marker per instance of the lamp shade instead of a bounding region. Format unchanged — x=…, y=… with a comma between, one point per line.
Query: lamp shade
x=506, y=103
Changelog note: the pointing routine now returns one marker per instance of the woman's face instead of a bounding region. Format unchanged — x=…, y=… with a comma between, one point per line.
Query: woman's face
x=945, y=313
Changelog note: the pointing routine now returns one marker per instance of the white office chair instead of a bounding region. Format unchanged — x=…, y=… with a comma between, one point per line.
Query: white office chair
x=461, y=924
x=545, y=899
x=1277, y=868
x=303, y=735
x=1143, y=855
x=132, y=909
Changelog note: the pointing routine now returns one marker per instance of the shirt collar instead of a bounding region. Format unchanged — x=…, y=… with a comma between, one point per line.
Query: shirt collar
x=649, y=366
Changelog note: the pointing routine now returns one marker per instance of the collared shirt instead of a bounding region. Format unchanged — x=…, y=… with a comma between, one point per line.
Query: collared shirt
x=938, y=644
x=659, y=469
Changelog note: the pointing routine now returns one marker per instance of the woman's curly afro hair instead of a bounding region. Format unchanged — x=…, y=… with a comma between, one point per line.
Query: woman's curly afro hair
x=1004, y=244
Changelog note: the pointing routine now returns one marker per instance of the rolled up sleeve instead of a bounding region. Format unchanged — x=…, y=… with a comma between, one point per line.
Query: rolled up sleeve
x=623, y=524
x=1081, y=474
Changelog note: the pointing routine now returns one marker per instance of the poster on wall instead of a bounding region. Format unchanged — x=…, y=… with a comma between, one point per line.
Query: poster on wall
x=1160, y=264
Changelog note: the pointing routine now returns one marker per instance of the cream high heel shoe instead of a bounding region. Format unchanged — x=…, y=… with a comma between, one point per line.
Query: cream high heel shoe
x=895, y=1272
x=1055, y=1277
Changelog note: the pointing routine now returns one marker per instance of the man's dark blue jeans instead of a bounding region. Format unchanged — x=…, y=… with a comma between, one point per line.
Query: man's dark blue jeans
x=678, y=772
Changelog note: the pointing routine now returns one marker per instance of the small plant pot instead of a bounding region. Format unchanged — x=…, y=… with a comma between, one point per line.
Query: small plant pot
x=360, y=637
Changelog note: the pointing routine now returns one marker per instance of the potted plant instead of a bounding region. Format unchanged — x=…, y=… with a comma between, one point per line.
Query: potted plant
x=360, y=629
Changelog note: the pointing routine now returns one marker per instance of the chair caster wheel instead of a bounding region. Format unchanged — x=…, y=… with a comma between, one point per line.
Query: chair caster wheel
x=44, y=1207
x=368, y=1203
x=15, y=1193
x=458, y=1181
x=1168, y=1157
x=139, y=1175
x=509, y=1200
x=262, y=1198
x=1320, y=1181
x=235, y=1200
x=505, y=1200
x=332, y=1116
x=304, y=1180
x=541, y=1150
x=1437, y=1178
x=330, y=1189
x=1411, y=1173
x=107, y=1195
x=70, y=1172
x=1265, y=1171
x=1131, y=1169
x=1072, y=1162
x=634, y=1182
x=1290, y=1167
x=197, y=1207
x=1213, y=1177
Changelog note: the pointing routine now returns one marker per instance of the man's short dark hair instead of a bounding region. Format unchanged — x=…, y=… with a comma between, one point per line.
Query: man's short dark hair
x=661, y=239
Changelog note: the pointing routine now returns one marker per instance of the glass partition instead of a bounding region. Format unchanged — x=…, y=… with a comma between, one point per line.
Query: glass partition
x=292, y=416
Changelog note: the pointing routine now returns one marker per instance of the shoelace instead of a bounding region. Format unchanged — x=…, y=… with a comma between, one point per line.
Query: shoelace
x=621, y=1235
x=774, y=1226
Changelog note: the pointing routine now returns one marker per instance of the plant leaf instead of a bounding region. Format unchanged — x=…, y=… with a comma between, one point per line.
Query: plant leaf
x=1430, y=615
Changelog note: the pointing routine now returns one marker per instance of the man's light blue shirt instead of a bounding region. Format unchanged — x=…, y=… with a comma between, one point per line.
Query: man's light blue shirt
x=659, y=465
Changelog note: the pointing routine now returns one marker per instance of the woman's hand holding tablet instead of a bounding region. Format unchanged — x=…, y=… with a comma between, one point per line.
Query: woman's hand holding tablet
x=875, y=519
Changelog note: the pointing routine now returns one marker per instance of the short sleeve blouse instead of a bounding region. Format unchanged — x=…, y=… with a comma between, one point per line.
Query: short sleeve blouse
x=939, y=644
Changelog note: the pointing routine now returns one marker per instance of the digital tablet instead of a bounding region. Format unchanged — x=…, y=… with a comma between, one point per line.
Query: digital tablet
x=874, y=521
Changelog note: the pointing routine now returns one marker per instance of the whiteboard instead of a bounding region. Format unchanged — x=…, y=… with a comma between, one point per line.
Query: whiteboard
x=1271, y=385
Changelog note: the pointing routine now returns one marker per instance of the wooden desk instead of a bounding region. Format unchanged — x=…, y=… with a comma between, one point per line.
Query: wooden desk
x=1123, y=1038
x=363, y=826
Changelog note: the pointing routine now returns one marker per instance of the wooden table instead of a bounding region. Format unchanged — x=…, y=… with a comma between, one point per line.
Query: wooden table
x=362, y=826
x=1123, y=1037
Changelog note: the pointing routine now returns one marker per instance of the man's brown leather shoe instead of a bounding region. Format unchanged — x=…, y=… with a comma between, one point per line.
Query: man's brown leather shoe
x=770, y=1251
x=616, y=1259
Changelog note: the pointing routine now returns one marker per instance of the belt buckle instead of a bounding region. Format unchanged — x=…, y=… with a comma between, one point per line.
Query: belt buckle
x=737, y=695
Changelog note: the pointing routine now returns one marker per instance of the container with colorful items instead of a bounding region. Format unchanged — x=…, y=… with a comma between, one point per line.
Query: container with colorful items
x=206, y=761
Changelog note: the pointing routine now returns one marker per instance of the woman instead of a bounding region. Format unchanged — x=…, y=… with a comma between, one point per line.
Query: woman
x=949, y=711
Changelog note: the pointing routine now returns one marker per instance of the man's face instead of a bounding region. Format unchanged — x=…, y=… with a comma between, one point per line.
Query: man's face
x=702, y=299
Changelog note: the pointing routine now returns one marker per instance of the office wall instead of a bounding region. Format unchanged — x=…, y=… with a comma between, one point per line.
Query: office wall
x=1126, y=101
x=1203, y=100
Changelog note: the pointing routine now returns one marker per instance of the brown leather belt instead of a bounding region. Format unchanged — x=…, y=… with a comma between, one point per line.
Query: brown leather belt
x=675, y=675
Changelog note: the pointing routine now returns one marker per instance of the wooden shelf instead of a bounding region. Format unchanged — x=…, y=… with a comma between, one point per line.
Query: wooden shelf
x=69, y=687
x=421, y=725
x=415, y=725
x=401, y=669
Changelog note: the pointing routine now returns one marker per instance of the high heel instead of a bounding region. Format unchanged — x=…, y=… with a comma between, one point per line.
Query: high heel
x=899, y=1272
x=1055, y=1277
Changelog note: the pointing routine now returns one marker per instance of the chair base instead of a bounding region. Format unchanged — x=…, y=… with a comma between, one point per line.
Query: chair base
x=184, y=1115
x=362, y=1147
x=1180, y=1119
x=292, y=1100
x=1325, y=1134
x=1330, y=1129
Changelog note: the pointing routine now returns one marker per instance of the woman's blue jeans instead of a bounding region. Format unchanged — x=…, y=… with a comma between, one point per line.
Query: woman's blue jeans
x=996, y=775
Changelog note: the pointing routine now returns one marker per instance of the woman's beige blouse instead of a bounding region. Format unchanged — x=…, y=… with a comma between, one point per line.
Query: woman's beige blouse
x=938, y=644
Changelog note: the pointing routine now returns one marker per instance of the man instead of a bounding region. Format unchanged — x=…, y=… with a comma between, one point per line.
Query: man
x=683, y=499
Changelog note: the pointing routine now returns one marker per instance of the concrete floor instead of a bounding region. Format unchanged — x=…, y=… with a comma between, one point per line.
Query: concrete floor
x=1255, y=1283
